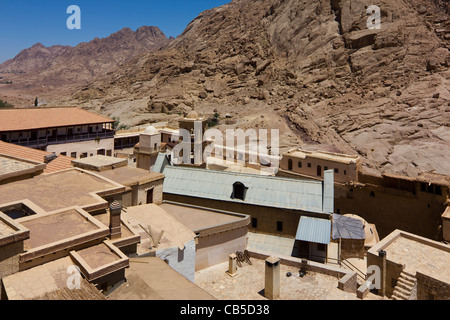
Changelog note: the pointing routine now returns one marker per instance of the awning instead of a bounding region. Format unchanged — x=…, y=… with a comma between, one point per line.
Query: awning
x=314, y=230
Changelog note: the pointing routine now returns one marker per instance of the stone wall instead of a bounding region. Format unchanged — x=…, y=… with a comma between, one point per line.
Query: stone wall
x=429, y=288
x=9, y=261
x=347, y=279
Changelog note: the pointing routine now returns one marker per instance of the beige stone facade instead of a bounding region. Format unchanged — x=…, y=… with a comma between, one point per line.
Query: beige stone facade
x=313, y=164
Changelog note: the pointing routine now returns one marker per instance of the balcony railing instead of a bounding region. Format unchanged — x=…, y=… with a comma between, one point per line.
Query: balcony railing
x=63, y=139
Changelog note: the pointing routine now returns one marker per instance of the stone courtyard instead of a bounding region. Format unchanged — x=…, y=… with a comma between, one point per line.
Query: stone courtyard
x=248, y=284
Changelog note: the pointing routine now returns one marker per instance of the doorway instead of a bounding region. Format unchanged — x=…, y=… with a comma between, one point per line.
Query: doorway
x=149, y=196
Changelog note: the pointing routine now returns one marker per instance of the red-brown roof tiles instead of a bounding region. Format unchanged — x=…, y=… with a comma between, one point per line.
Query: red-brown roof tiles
x=40, y=118
x=60, y=163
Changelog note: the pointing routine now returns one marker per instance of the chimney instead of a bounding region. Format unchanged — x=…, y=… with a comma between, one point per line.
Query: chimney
x=232, y=269
x=272, y=288
x=115, y=209
x=328, y=192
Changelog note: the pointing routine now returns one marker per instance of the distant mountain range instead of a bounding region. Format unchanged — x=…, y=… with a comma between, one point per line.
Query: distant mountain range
x=58, y=66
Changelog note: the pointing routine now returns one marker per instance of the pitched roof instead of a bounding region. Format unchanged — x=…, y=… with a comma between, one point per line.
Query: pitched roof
x=345, y=227
x=297, y=194
x=40, y=118
x=58, y=164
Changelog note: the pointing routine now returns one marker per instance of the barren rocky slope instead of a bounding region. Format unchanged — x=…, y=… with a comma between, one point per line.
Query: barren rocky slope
x=310, y=68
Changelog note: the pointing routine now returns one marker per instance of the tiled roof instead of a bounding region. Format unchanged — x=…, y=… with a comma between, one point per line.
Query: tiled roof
x=40, y=118
x=60, y=163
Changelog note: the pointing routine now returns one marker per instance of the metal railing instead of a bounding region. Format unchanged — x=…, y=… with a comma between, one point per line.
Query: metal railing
x=63, y=139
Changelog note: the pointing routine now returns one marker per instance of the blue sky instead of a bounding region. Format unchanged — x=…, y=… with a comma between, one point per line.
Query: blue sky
x=24, y=23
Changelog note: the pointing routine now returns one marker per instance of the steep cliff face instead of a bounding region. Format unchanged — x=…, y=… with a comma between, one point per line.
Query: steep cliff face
x=310, y=68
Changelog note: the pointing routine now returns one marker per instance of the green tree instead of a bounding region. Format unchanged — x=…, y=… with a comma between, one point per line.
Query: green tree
x=36, y=102
x=4, y=104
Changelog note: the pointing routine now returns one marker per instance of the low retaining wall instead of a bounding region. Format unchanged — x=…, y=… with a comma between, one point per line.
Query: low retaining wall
x=347, y=278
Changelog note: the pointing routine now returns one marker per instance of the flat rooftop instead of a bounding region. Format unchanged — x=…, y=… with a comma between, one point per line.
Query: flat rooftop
x=129, y=176
x=53, y=228
x=99, y=163
x=8, y=165
x=48, y=282
x=323, y=155
x=417, y=254
x=60, y=190
x=176, y=234
x=153, y=279
x=196, y=218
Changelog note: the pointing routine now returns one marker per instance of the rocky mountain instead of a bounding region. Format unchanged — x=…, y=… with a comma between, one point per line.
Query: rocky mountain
x=310, y=68
x=32, y=59
x=61, y=67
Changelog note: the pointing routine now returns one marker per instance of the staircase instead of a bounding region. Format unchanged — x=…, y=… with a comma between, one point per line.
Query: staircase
x=405, y=287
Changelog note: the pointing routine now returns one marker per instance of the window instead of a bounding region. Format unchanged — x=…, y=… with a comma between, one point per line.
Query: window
x=345, y=172
x=336, y=170
x=372, y=194
x=73, y=155
x=254, y=223
x=84, y=155
x=438, y=190
x=290, y=165
x=309, y=165
x=63, y=153
x=239, y=191
x=319, y=171
x=326, y=168
x=299, y=164
x=279, y=226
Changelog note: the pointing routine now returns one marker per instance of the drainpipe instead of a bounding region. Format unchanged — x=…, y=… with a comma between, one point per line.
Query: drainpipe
x=382, y=254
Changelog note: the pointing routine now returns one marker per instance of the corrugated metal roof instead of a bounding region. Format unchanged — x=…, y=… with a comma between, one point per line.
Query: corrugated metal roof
x=347, y=228
x=314, y=230
x=305, y=195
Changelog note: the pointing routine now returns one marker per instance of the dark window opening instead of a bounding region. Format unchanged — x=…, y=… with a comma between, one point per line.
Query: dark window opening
x=254, y=223
x=438, y=190
x=290, y=165
x=326, y=168
x=336, y=170
x=239, y=191
x=279, y=226
x=345, y=172
x=372, y=194
x=319, y=171
x=309, y=165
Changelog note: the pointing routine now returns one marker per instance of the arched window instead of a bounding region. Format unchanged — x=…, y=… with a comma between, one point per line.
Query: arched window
x=239, y=191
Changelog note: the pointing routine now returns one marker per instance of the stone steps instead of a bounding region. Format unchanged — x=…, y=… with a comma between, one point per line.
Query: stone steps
x=405, y=286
